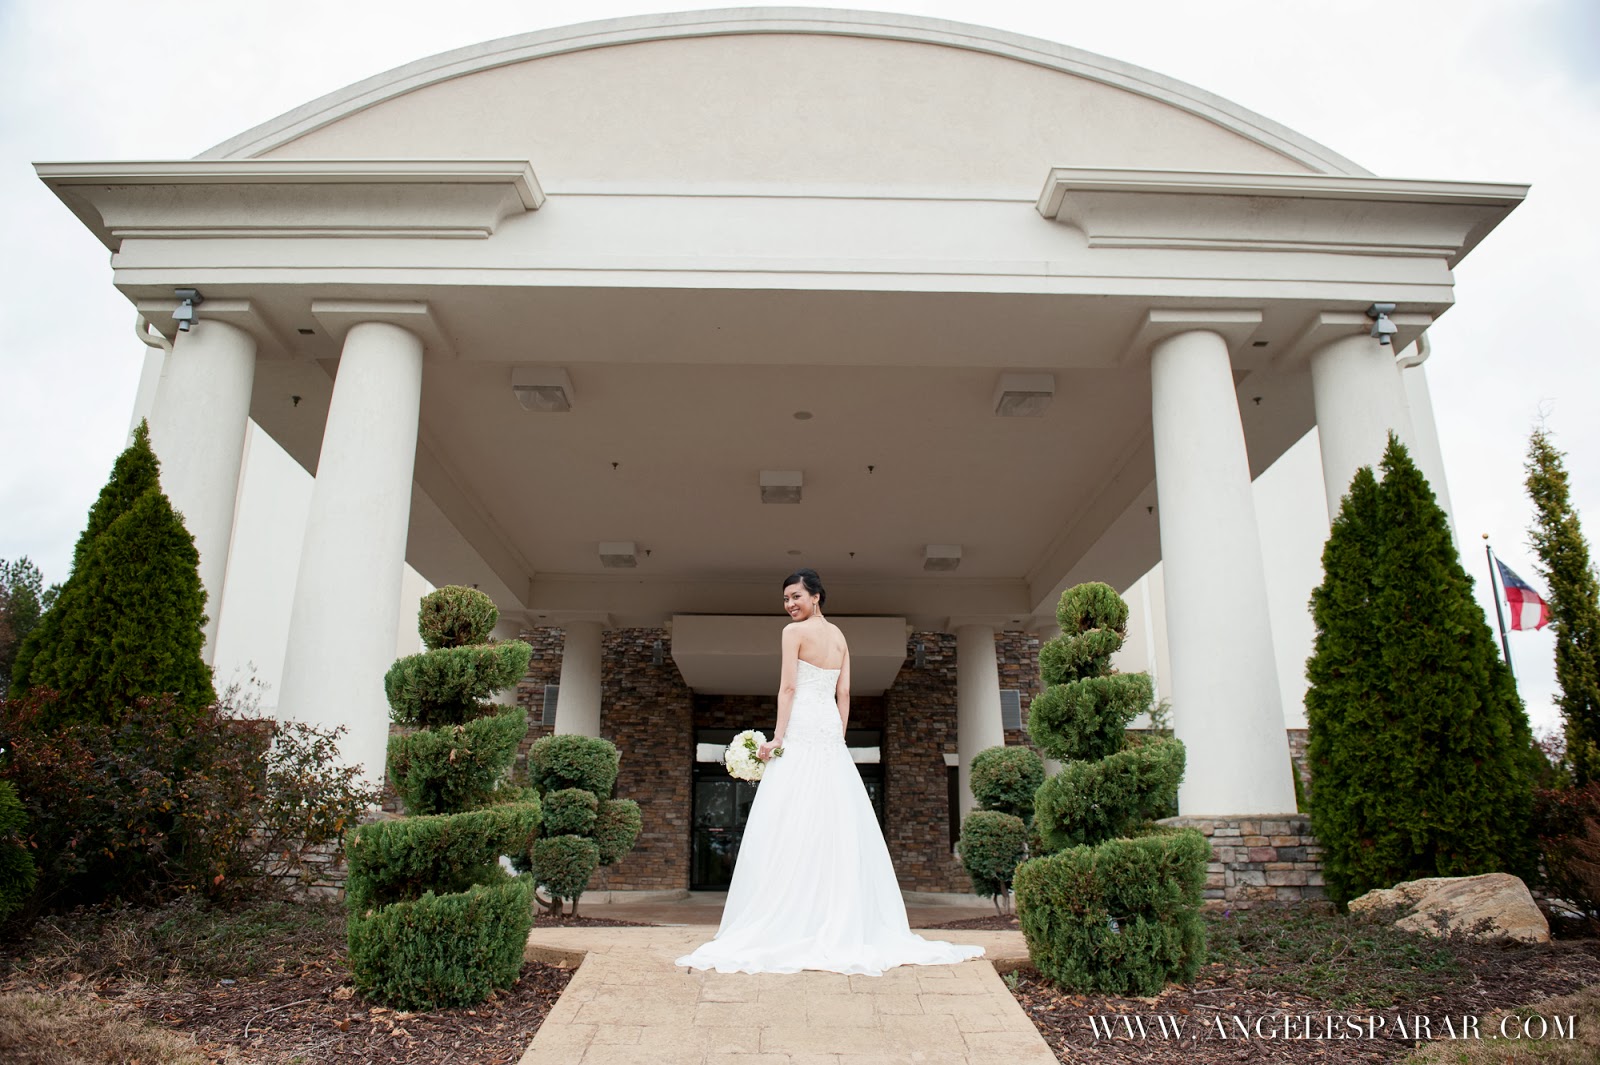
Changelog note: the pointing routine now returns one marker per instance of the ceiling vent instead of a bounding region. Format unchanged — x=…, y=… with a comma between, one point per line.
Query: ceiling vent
x=1023, y=395
x=780, y=486
x=941, y=557
x=544, y=389
x=619, y=554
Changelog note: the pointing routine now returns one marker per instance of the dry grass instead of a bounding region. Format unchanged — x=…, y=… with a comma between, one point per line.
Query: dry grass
x=38, y=1030
x=1582, y=1049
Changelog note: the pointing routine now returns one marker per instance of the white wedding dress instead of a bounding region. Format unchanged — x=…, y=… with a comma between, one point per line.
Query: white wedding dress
x=813, y=887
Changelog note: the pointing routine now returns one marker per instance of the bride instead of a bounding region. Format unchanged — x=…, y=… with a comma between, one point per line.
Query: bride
x=813, y=887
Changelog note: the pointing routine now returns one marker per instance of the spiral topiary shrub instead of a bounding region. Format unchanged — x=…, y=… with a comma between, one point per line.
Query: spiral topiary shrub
x=434, y=920
x=584, y=828
x=1099, y=912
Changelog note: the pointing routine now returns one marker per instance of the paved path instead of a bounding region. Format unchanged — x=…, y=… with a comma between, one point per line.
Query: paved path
x=627, y=1004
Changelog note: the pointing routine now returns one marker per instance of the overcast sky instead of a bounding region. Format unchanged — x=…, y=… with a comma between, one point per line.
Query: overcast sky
x=1460, y=90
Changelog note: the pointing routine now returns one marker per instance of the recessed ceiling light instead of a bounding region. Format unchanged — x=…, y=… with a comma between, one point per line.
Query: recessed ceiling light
x=780, y=486
x=802, y=416
x=792, y=551
x=1023, y=395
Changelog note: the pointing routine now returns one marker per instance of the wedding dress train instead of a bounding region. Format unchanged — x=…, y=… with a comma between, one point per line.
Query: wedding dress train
x=813, y=887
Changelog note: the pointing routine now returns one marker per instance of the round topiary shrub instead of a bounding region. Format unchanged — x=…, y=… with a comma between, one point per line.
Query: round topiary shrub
x=992, y=845
x=570, y=812
x=1005, y=778
x=569, y=761
x=616, y=828
x=562, y=865
x=455, y=616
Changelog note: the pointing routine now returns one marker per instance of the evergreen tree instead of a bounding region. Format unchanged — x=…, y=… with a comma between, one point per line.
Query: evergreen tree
x=23, y=600
x=130, y=620
x=1574, y=599
x=1422, y=760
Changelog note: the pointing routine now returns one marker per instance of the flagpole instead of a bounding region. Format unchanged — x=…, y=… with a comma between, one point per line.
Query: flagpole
x=1499, y=611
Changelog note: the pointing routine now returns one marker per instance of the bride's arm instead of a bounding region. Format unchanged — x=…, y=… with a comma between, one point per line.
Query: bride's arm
x=843, y=696
x=786, y=682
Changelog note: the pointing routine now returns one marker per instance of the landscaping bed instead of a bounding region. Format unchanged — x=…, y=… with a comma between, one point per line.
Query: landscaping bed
x=1269, y=965
x=269, y=983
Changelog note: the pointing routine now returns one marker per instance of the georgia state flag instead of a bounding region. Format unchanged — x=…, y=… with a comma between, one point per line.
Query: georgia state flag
x=1528, y=611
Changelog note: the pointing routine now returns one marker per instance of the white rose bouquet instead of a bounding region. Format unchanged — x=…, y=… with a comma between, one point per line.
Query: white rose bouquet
x=740, y=757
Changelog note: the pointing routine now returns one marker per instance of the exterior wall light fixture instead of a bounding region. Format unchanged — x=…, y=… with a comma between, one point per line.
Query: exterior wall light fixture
x=189, y=299
x=1382, y=328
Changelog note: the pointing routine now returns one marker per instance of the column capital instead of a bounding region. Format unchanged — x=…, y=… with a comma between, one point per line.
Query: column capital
x=1234, y=326
x=1331, y=327
x=236, y=313
x=338, y=317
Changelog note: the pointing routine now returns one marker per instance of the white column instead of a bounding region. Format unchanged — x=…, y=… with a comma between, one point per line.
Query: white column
x=1359, y=397
x=578, y=706
x=197, y=427
x=506, y=630
x=1427, y=452
x=978, y=724
x=347, y=595
x=1224, y=684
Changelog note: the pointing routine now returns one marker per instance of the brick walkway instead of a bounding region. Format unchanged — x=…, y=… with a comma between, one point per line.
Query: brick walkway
x=627, y=1004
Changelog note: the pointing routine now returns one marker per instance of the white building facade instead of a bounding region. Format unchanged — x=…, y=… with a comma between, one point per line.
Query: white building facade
x=622, y=322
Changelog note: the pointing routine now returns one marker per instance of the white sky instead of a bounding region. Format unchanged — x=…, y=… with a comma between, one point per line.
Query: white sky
x=1459, y=89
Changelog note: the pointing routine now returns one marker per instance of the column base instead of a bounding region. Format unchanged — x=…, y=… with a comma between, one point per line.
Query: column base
x=1258, y=860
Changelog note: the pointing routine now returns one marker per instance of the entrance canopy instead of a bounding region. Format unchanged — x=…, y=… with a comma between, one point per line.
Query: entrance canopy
x=836, y=252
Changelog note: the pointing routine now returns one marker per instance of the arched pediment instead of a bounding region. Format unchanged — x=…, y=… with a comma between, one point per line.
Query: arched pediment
x=807, y=98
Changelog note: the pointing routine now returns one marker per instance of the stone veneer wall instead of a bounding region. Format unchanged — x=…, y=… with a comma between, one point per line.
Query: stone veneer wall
x=1256, y=861
x=651, y=715
x=919, y=729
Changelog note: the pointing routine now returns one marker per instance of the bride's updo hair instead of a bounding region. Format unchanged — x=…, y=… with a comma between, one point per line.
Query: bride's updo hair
x=812, y=582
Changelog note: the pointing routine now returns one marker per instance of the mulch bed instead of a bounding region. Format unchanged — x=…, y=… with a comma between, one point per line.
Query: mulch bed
x=318, y=1017
x=302, y=1007
x=1503, y=977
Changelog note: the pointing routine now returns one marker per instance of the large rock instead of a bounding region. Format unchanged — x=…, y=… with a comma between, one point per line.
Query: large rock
x=1460, y=903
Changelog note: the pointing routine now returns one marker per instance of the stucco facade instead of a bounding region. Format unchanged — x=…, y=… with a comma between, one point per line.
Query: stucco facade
x=547, y=315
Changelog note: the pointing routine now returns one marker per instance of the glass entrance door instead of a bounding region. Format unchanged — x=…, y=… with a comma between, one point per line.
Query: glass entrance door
x=722, y=804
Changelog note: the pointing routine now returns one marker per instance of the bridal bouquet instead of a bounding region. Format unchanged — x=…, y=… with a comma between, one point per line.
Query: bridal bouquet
x=740, y=757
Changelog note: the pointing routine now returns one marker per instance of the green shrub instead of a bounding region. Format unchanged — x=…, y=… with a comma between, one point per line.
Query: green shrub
x=1122, y=918
x=1089, y=802
x=433, y=921
x=17, y=876
x=139, y=811
x=1421, y=759
x=448, y=686
x=394, y=861
x=442, y=950
x=563, y=865
x=992, y=845
x=129, y=622
x=570, y=812
x=1087, y=719
x=616, y=828
x=1102, y=913
x=568, y=761
x=456, y=616
x=456, y=767
x=1566, y=822
x=1005, y=778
